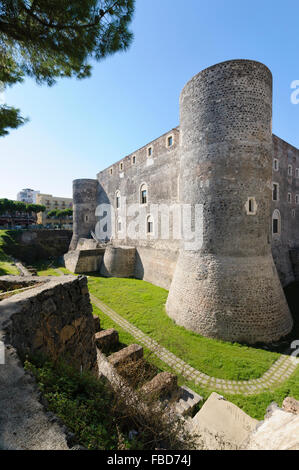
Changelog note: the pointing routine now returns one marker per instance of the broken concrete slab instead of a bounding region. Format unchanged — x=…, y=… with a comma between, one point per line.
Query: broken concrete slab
x=222, y=425
x=279, y=431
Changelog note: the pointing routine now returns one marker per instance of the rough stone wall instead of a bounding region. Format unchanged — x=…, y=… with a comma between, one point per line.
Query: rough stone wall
x=85, y=201
x=54, y=319
x=288, y=238
x=119, y=261
x=84, y=261
x=229, y=288
x=34, y=245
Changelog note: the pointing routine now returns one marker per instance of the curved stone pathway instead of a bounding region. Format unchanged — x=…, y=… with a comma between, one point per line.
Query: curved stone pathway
x=280, y=371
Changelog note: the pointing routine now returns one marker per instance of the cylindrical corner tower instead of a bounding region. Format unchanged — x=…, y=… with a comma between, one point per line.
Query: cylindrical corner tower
x=229, y=288
x=84, y=207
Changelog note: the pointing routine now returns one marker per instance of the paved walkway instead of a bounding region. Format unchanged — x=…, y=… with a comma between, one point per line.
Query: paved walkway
x=280, y=371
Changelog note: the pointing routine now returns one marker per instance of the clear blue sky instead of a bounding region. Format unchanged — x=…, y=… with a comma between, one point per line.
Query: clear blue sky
x=78, y=128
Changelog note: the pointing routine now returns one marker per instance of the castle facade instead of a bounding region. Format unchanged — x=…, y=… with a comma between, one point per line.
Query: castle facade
x=224, y=159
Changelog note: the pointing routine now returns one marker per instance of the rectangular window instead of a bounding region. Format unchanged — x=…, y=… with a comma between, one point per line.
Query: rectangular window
x=289, y=197
x=297, y=199
x=149, y=151
x=290, y=170
x=134, y=160
x=170, y=141
x=150, y=227
x=275, y=225
x=275, y=192
x=275, y=164
x=297, y=172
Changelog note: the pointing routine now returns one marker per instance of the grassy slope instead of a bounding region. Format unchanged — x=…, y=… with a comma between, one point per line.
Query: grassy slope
x=254, y=405
x=47, y=268
x=143, y=304
x=6, y=264
x=138, y=300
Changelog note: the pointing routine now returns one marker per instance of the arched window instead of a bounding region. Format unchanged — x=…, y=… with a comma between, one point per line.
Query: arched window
x=276, y=223
x=143, y=194
x=149, y=224
x=117, y=199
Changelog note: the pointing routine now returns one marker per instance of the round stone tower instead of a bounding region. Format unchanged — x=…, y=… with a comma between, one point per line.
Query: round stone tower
x=229, y=288
x=84, y=207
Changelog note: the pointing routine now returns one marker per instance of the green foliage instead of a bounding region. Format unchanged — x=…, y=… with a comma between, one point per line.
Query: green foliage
x=100, y=418
x=10, y=118
x=51, y=39
x=60, y=213
x=143, y=304
x=6, y=263
x=81, y=401
x=11, y=207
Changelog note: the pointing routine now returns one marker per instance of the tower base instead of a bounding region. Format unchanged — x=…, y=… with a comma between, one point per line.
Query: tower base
x=229, y=298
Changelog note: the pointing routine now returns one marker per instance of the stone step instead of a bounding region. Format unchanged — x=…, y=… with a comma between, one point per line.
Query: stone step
x=161, y=386
x=187, y=401
x=106, y=339
x=97, y=323
x=130, y=353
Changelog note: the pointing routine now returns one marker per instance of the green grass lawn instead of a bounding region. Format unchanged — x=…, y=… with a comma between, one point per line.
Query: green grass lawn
x=6, y=263
x=48, y=268
x=143, y=304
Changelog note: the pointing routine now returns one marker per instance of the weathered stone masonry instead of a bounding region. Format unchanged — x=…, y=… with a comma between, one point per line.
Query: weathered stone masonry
x=53, y=319
x=222, y=156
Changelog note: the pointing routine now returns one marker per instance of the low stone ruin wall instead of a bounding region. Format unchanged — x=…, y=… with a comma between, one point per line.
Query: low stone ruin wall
x=34, y=245
x=54, y=319
x=84, y=261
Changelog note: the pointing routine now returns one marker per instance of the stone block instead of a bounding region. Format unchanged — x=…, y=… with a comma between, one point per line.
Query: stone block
x=291, y=405
x=84, y=261
x=162, y=385
x=106, y=339
x=97, y=323
x=130, y=353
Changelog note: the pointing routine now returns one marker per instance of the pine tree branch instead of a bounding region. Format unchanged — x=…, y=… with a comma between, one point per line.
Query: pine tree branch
x=58, y=26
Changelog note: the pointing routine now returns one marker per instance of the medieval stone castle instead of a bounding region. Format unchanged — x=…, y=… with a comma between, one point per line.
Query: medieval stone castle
x=224, y=157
